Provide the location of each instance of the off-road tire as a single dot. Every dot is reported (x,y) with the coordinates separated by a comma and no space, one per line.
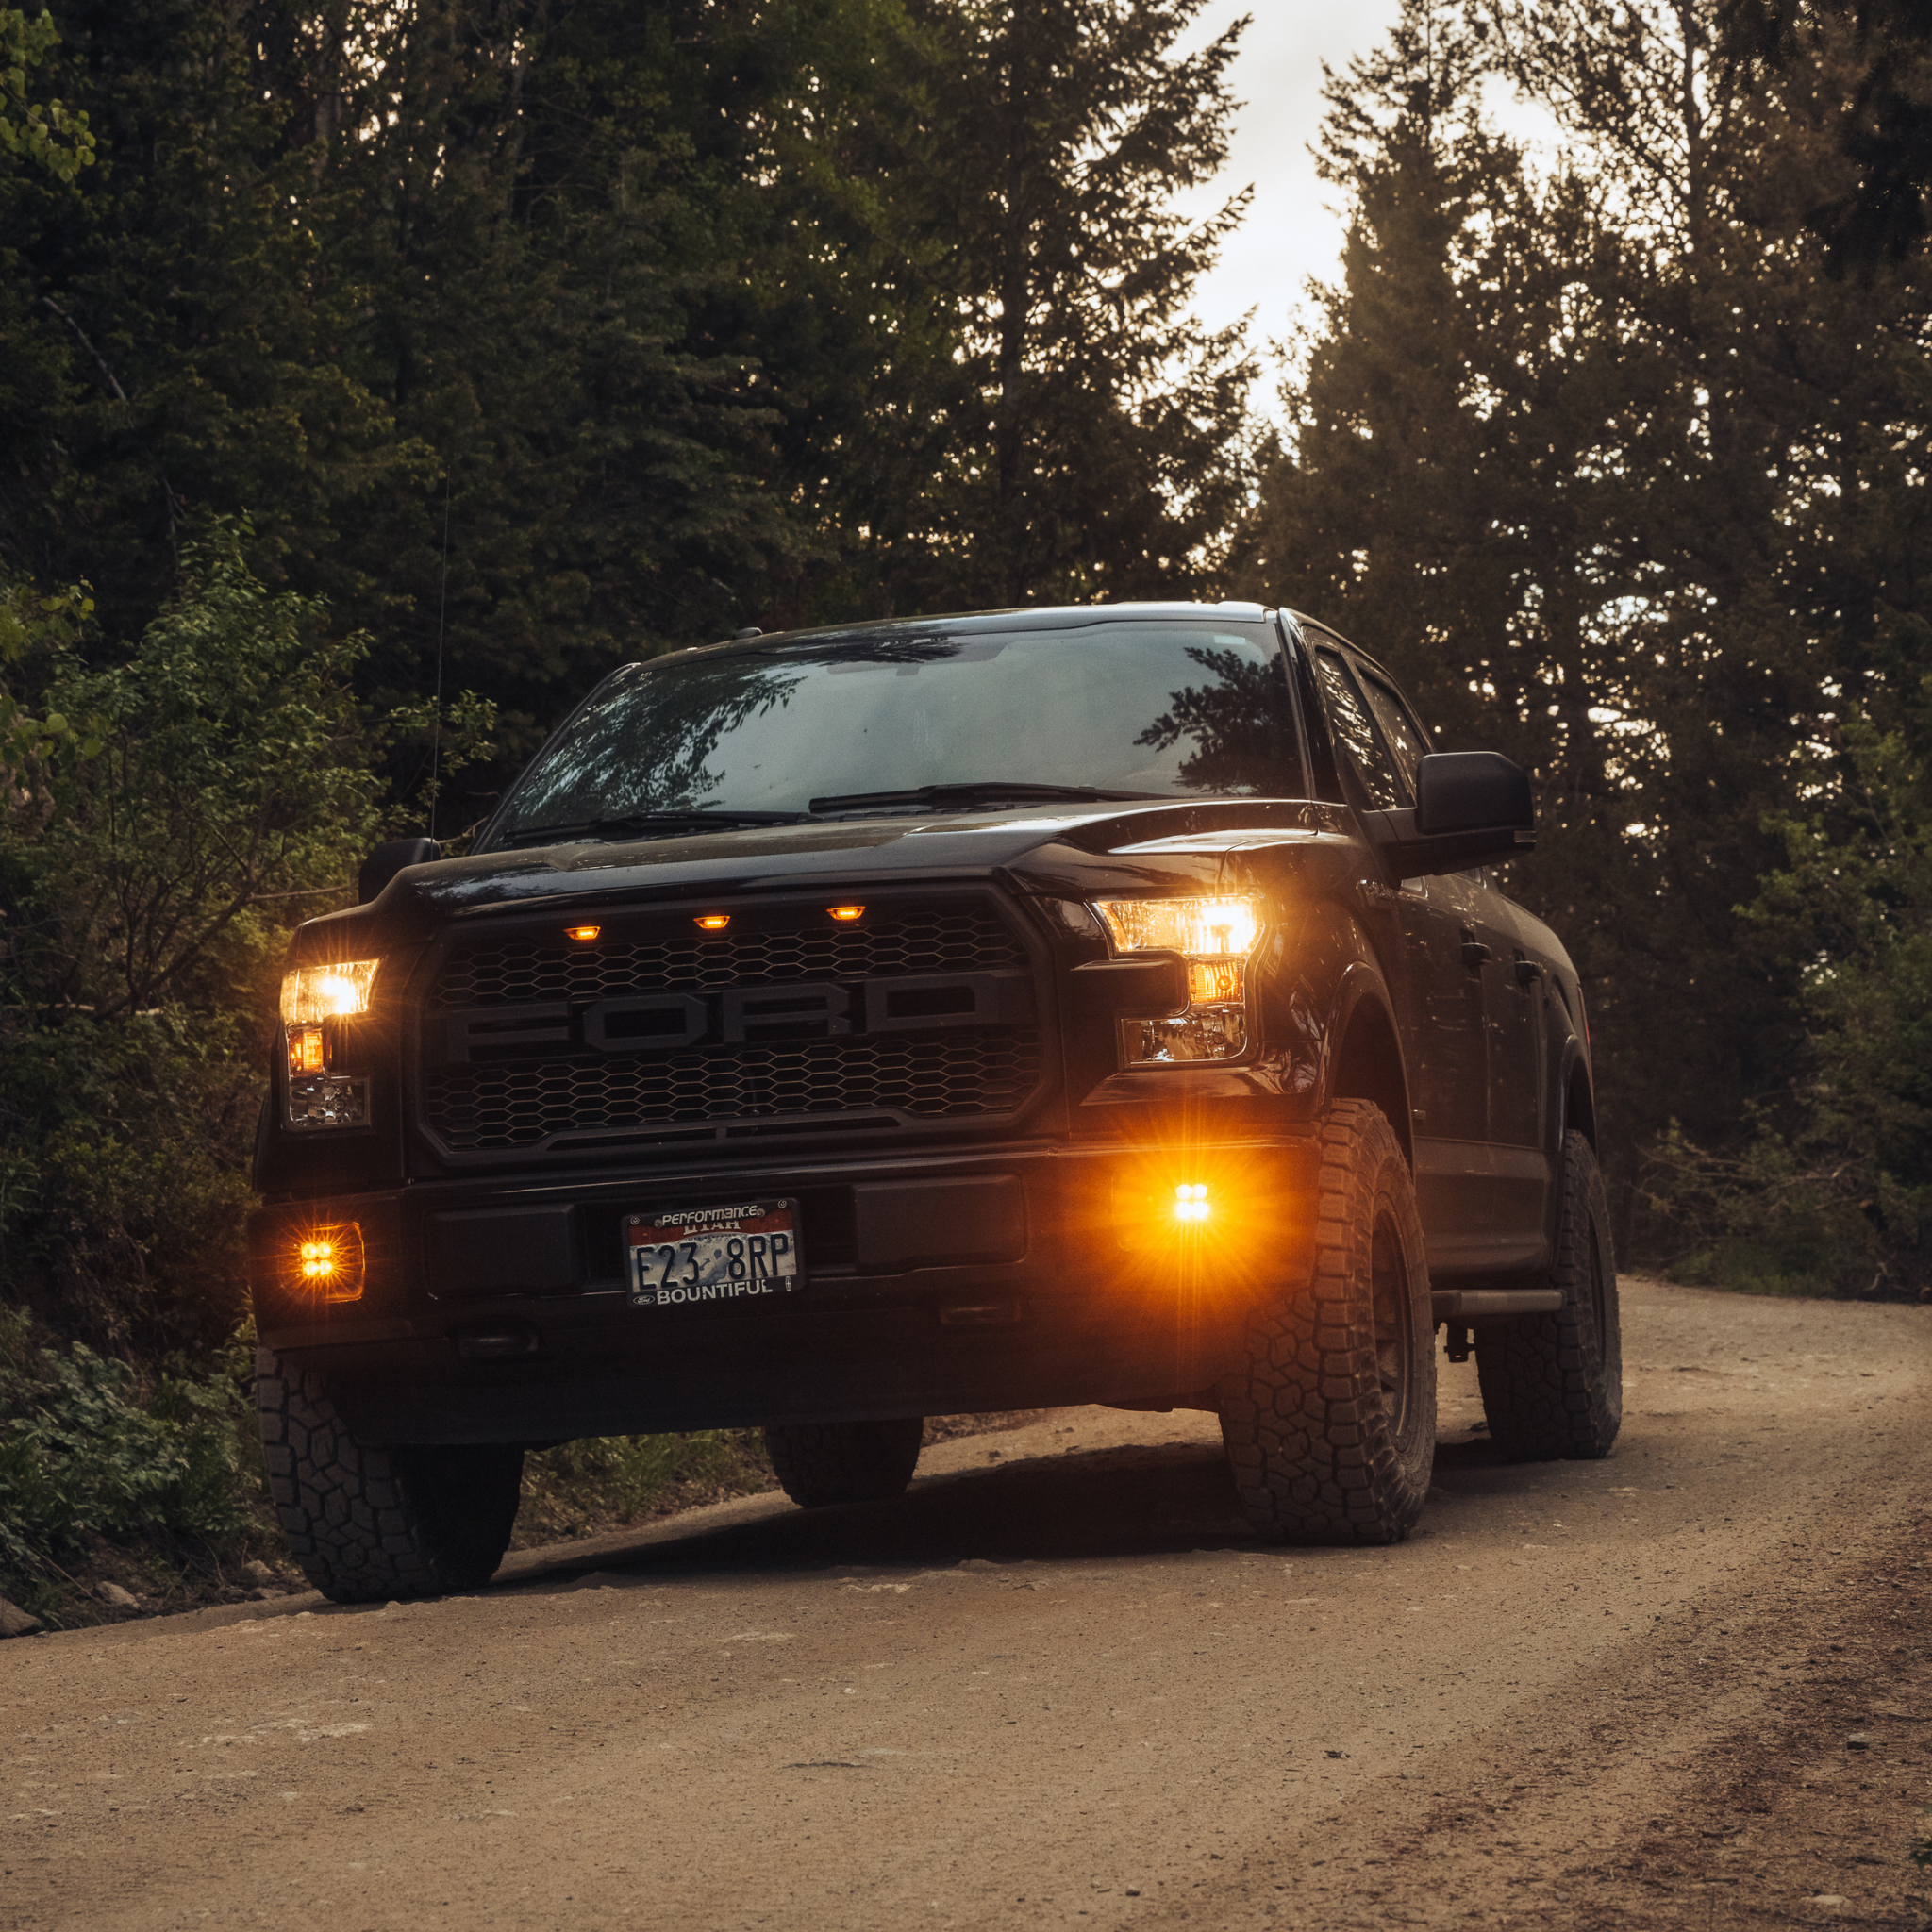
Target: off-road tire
(820,1463)
(1553,1385)
(369,1523)
(1330,1423)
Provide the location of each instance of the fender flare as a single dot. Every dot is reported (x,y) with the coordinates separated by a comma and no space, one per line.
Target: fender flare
(1362,986)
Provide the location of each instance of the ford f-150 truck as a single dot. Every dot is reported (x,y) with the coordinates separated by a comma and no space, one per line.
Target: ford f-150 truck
(835,1029)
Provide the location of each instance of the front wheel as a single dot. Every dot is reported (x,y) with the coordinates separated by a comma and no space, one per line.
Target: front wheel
(821,1463)
(368,1523)
(1330,1423)
(1553,1385)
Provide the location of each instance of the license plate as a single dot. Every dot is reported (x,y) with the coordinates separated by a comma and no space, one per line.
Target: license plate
(712,1254)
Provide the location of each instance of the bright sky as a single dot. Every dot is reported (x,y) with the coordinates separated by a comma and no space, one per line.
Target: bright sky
(1290,233)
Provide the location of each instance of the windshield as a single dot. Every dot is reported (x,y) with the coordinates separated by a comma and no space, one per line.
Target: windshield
(1159,707)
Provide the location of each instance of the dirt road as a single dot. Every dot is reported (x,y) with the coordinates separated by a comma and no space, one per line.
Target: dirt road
(1060,1684)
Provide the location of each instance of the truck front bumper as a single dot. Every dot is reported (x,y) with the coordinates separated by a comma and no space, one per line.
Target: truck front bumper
(1019,1276)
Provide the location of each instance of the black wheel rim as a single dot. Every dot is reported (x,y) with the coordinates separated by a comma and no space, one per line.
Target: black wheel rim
(1394,1321)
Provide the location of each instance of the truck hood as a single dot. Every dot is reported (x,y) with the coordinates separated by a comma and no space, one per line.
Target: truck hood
(1065,851)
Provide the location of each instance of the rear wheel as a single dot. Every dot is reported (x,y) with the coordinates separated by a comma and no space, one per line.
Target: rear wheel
(367,1523)
(1553,1385)
(819,1463)
(1330,1423)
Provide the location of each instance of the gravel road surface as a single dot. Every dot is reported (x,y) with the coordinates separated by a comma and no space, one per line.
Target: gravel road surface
(1059,1684)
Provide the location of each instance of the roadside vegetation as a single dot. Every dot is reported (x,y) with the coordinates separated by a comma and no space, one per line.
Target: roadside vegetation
(347,446)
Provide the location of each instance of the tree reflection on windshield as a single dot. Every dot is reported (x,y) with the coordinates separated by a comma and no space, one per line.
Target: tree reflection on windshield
(764,728)
(1239,727)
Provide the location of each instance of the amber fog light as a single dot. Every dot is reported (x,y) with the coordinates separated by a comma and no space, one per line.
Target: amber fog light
(328,1263)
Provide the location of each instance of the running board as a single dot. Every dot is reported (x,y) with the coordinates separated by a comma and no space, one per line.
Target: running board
(1481,1303)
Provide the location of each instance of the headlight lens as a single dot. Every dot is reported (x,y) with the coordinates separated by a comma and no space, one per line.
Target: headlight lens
(311,994)
(1215,938)
(318,1095)
(1195,928)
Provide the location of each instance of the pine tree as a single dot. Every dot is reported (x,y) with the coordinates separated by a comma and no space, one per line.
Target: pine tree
(1089,438)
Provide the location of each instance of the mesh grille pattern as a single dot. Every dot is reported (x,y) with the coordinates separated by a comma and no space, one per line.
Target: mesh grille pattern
(515,1102)
(477,1109)
(965,939)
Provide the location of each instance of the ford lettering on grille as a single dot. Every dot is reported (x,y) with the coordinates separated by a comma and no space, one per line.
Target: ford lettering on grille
(732,1016)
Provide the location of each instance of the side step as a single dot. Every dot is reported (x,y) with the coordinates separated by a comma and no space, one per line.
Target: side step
(1486,1303)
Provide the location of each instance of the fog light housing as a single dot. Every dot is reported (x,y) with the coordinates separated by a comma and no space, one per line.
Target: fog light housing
(1153,1215)
(1191,1203)
(329,1263)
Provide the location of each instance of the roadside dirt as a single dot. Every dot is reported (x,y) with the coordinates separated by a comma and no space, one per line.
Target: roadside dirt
(1060,1684)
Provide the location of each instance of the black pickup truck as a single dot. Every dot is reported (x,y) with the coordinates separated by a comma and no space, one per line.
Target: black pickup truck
(835,1029)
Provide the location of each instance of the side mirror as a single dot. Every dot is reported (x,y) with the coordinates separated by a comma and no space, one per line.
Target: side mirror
(388,858)
(1471,792)
(1471,808)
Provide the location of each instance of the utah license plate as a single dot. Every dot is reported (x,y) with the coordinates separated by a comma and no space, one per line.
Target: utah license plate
(712,1254)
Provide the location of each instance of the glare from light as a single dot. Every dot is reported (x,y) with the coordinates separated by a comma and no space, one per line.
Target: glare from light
(1190,1201)
(330,1261)
(713,921)
(1221,929)
(314,993)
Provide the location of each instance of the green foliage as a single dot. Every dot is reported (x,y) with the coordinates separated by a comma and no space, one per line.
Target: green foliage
(569,1490)
(81,1456)
(1593,450)
(1833,1189)
(173,810)
(44,132)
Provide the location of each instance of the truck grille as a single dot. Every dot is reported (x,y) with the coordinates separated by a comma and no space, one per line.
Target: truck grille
(502,1098)
(972,938)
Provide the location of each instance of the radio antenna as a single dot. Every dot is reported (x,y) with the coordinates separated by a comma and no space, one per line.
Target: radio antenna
(442,610)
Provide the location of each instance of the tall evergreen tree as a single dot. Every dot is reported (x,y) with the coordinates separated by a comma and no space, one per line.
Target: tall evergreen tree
(1090,441)
(1588,453)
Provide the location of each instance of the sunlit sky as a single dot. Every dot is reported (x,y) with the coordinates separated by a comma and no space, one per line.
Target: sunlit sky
(1294,228)
(1293,231)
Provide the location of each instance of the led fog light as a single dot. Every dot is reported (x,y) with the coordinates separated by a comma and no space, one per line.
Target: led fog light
(328,1263)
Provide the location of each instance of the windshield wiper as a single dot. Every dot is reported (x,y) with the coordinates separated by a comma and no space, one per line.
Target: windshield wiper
(975,791)
(642,824)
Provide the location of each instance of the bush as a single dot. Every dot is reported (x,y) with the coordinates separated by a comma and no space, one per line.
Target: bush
(1828,1192)
(81,1455)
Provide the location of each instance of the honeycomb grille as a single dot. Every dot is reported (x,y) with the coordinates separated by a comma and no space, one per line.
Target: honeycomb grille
(476,1109)
(524,1102)
(961,940)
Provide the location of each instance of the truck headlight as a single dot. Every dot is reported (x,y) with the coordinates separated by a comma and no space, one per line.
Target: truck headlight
(1215,937)
(320,1095)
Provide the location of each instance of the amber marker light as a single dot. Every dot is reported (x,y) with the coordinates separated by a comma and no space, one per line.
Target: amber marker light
(846,914)
(1213,982)
(582,934)
(329,1262)
(1190,1202)
(713,921)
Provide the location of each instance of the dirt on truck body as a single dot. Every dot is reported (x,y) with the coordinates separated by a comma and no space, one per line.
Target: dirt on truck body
(835,1029)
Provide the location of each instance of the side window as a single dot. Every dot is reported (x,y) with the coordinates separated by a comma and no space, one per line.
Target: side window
(1355,735)
(1400,732)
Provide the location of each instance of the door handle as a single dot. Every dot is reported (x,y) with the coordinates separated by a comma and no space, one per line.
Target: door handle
(1527,971)
(1476,955)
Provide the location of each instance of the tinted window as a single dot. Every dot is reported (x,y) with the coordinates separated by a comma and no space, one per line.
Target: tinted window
(1154,706)
(1400,732)
(1355,735)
